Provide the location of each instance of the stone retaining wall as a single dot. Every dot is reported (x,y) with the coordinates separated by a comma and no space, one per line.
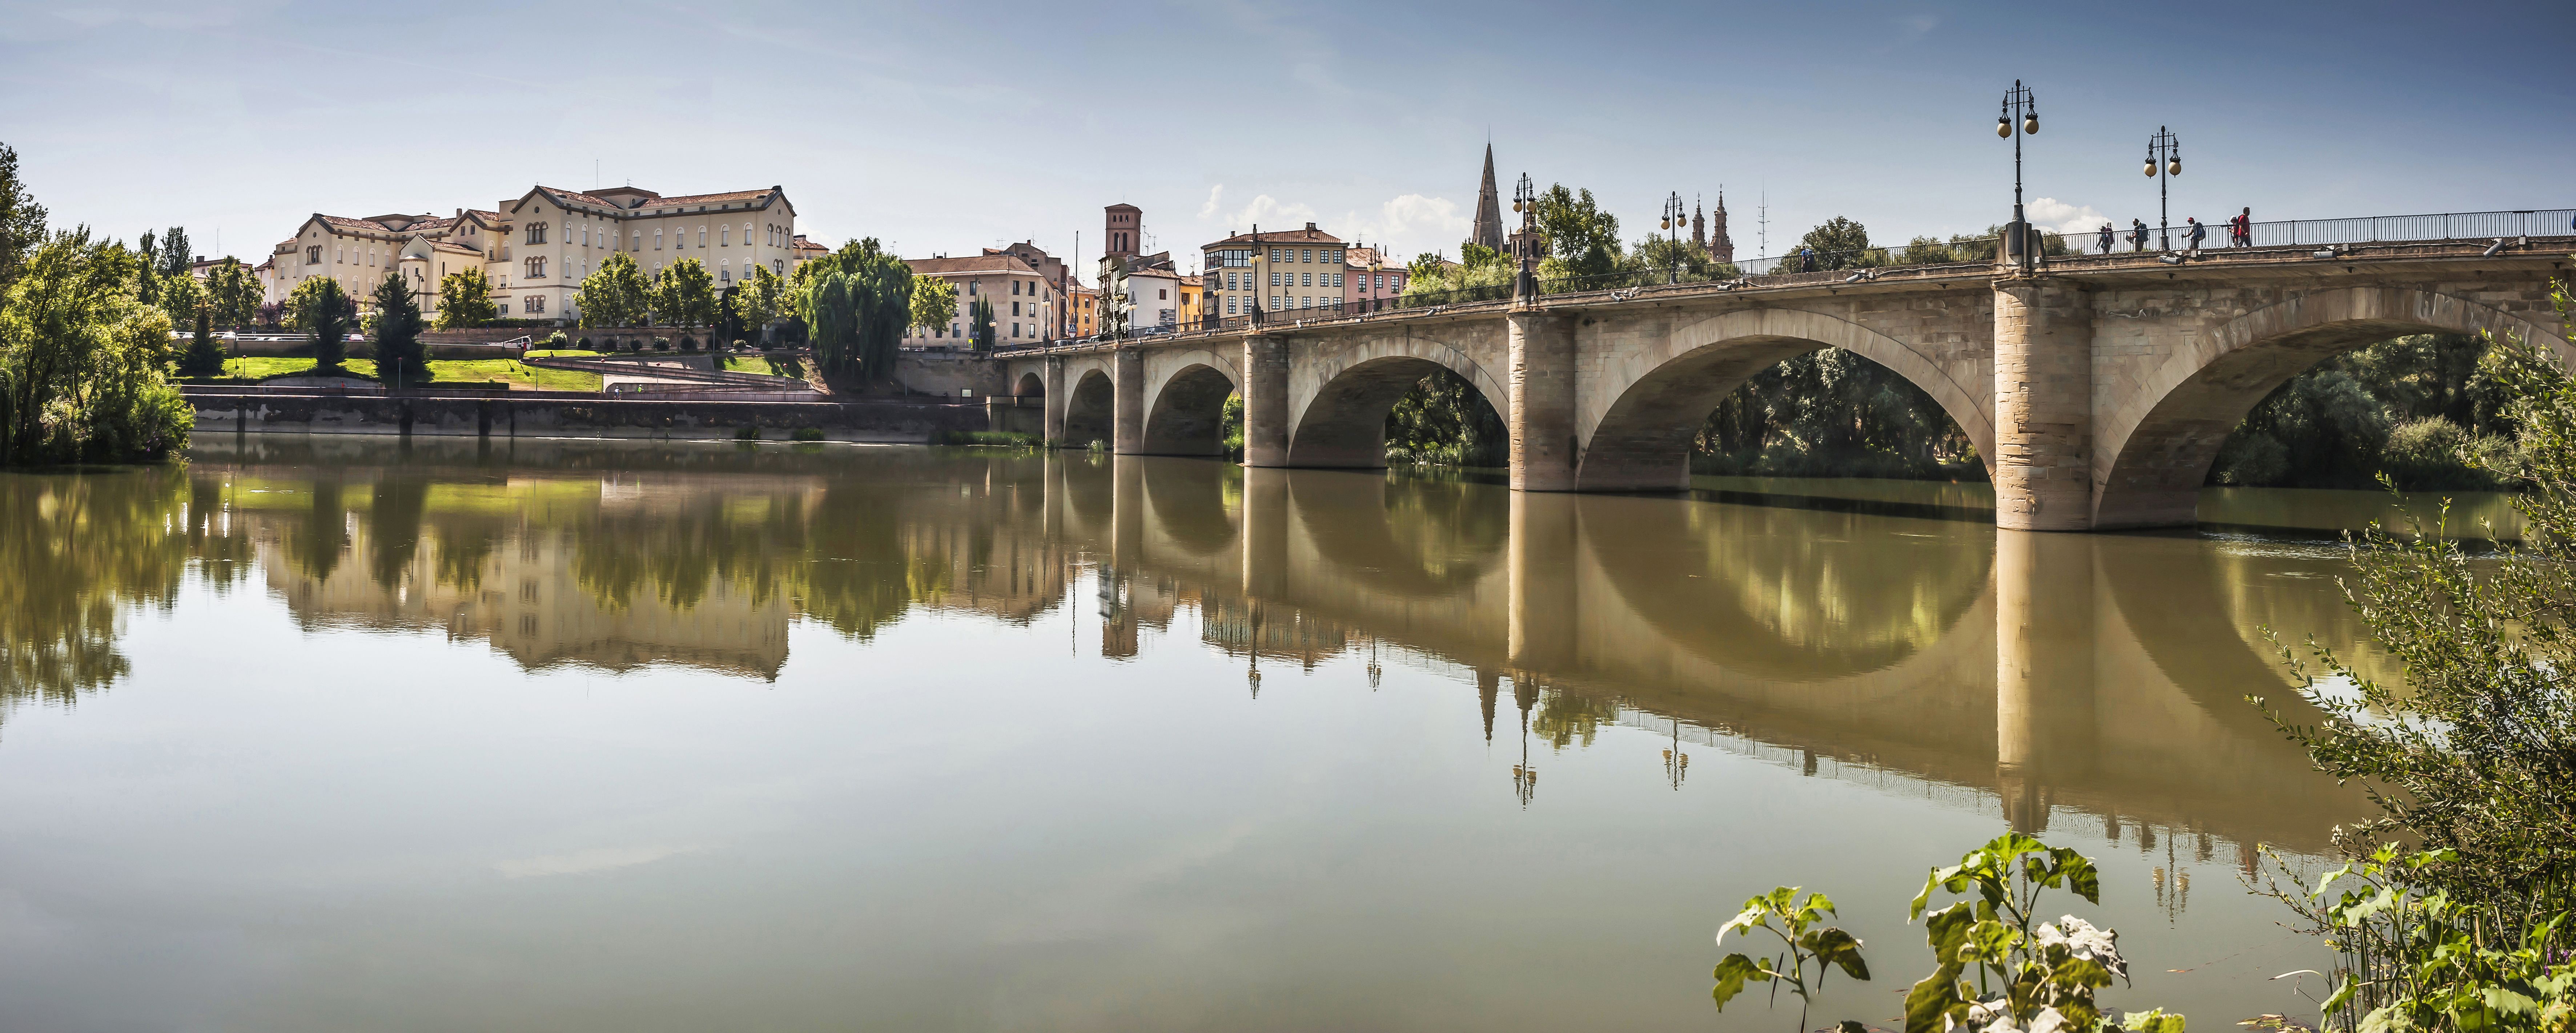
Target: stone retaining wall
(535,417)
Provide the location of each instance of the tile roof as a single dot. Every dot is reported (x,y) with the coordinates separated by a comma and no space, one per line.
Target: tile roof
(996,263)
(659,203)
(1304,236)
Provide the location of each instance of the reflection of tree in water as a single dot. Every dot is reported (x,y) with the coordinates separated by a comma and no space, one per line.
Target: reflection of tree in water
(1564,717)
(1786,592)
(393,527)
(678,549)
(79,549)
(856,573)
(315,546)
(465,544)
(1454,529)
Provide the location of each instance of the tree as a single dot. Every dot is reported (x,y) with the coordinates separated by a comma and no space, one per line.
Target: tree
(205,355)
(464,300)
(1839,244)
(763,300)
(83,363)
(175,259)
(22,220)
(1582,238)
(684,295)
(934,302)
(613,294)
(979,325)
(322,311)
(181,297)
(399,353)
(234,295)
(865,316)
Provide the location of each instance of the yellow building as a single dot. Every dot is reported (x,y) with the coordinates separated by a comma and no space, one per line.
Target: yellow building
(1279,271)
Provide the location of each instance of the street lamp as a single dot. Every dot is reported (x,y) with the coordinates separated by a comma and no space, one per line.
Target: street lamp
(2164,161)
(2018,107)
(1525,201)
(1674,216)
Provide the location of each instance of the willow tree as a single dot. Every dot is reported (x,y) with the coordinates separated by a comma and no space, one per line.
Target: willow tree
(855,328)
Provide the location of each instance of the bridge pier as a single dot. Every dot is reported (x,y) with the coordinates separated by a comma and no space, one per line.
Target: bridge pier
(1265,533)
(1542,607)
(1057,399)
(1542,405)
(1265,400)
(1127,413)
(2043,462)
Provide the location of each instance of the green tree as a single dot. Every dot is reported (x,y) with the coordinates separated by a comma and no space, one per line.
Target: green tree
(613,294)
(181,297)
(1839,244)
(979,324)
(22,220)
(865,318)
(684,295)
(234,293)
(1583,239)
(175,256)
(763,300)
(205,355)
(464,300)
(400,357)
(322,311)
(934,302)
(83,362)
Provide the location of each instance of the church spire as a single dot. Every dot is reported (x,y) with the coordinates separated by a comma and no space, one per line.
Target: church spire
(1721,246)
(1489,207)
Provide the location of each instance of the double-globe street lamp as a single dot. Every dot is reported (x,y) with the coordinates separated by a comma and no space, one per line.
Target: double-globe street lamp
(2164,161)
(1525,202)
(1675,217)
(2019,118)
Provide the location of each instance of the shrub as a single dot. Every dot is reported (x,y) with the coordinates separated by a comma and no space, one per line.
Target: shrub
(688,343)
(585,344)
(2430,453)
(2252,459)
(555,340)
(661,344)
(747,434)
(809,433)
(740,346)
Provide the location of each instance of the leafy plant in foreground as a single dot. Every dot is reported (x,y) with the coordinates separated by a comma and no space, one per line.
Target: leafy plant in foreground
(1802,943)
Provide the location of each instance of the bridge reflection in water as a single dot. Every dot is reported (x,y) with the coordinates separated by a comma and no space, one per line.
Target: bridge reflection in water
(2052,675)
(2088,686)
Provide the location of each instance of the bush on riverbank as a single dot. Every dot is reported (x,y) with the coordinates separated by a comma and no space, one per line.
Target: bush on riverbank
(84,363)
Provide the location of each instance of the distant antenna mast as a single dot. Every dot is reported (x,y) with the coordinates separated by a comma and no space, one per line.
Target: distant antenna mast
(1762,222)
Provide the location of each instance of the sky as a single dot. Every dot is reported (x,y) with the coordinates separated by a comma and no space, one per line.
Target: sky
(944,128)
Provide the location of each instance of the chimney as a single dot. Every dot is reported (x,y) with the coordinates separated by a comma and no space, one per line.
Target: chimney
(1310,227)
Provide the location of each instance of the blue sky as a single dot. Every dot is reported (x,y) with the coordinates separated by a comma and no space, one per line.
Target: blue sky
(943,128)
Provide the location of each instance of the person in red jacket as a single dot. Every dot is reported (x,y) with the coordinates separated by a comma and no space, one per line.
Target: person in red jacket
(2242,228)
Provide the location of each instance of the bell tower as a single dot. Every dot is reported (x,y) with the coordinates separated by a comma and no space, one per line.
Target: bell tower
(1125,224)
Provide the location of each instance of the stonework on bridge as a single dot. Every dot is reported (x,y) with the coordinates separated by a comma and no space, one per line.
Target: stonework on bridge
(2097,390)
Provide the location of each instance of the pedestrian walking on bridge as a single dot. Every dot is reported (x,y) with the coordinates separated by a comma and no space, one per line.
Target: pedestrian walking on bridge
(2106,238)
(2242,228)
(2137,235)
(2198,233)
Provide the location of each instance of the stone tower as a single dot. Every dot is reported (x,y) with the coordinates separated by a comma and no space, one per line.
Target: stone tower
(1699,227)
(1126,223)
(1721,246)
(1489,208)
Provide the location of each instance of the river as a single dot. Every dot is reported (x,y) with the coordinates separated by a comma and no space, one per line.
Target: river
(334,733)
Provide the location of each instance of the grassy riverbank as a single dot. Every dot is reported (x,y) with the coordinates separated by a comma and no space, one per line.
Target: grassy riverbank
(519,376)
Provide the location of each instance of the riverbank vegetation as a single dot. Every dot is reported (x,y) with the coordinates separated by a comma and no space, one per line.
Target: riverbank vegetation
(85,358)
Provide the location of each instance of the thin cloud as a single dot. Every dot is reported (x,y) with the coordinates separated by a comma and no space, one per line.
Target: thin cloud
(2053,214)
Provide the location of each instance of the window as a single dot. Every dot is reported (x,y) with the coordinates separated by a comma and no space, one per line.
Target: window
(536,304)
(536,269)
(1274,278)
(746,234)
(313,255)
(779,265)
(536,233)
(1015,290)
(1015,329)
(1230,304)
(505,308)
(585,236)
(1162,295)
(339,253)
(1015,308)
(702,234)
(657,239)
(724,236)
(970,288)
(1310,302)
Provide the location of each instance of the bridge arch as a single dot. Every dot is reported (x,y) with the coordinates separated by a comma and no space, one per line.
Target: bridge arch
(2154,447)
(1090,414)
(1338,419)
(1641,440)
(1030,385)
(1185,394)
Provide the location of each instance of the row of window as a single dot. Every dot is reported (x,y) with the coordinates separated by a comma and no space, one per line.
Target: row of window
(1235,306)
(580,236)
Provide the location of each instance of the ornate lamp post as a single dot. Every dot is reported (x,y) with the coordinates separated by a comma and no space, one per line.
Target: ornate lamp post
(2019,118)
(1675,216)
(1525,201)
(2164,161)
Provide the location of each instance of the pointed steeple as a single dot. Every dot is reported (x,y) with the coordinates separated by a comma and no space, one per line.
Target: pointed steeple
(1699,227)
(1489,207)
(1721,246)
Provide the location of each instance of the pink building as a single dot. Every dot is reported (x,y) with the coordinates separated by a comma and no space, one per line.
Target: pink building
(1368,275)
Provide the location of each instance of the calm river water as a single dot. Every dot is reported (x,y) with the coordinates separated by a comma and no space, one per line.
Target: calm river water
(344,734)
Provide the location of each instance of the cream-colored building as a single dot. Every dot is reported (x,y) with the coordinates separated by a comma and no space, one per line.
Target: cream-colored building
(536,248)
(1278,270)
(1026,306)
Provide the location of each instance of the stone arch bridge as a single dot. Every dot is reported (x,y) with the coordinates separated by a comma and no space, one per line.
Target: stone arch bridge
(2097,389)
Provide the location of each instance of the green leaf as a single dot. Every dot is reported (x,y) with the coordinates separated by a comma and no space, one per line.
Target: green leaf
(1748,920)
(1935,1001)
(1836,947)
(2156,1021)
(2506,1001)
(1947,932)
(1731,974)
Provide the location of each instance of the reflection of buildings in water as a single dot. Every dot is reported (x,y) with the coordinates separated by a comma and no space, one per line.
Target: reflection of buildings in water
(527,601)
(1253,628)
